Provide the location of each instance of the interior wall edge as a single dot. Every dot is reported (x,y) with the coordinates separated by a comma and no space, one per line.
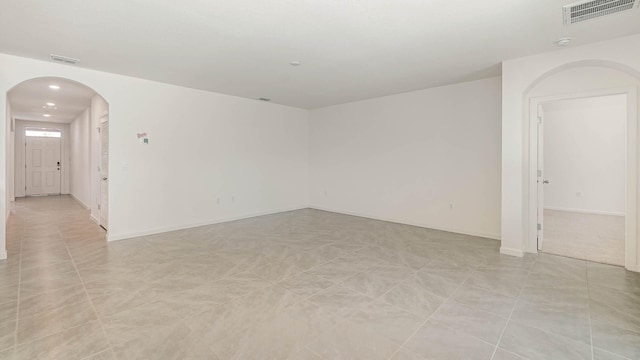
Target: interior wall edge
(79,201)
(511,252)
(125,236)
(495,236)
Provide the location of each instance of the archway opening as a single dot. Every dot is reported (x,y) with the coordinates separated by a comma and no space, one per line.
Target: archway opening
(570,82)
(57,165)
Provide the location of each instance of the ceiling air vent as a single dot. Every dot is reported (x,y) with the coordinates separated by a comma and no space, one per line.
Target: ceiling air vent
(63,59)
(591,9)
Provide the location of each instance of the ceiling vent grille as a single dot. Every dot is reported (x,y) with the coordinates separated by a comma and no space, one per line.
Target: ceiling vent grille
(63,59)
(591,9)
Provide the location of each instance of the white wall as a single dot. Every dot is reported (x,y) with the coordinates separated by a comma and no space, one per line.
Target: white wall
(99,109)
(429,158)
(79,137)
(19,158)
(204,146)
(584,155)
(519,76)
(8,187)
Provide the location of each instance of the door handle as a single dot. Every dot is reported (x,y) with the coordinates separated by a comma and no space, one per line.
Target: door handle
(104,178)
(545,181)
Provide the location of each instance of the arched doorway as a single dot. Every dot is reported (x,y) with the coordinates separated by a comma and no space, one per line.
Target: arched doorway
(583,79)
(57,142)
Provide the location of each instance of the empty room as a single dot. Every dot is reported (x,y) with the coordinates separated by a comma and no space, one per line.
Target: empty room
(320,179)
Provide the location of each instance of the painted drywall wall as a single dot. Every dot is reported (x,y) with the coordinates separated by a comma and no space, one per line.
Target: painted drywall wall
(584,155)
(99,110)
(429,158)
(251,155)
(19,155)
(10,153)
(519,76)
(9,174)
(79,138)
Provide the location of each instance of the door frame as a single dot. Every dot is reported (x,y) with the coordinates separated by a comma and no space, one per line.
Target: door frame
(631,241)
(540,181)
(62,153)
(104,118)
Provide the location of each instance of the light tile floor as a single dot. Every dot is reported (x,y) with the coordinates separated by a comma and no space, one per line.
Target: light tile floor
(299,285)
(593,237)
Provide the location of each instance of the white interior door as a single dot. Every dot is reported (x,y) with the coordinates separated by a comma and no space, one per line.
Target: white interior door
(541,180)
(42,165)
(104,172)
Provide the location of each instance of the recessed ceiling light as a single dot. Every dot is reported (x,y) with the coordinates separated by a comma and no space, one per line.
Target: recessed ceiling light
(51,104)
(295,63)
(563,42)
(46,115)
(54,87)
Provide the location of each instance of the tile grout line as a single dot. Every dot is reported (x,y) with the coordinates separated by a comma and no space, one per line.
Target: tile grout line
(589,310)
(15,336)
(438,308)
(506,324)
(98,317)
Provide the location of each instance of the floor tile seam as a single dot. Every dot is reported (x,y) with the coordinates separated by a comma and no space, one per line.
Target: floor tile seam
(336,313)
(486,311)
(512,353)
(432,314)
(573,309)
(48,264)
(306,297)
(57,308)
(381,297)
(97,353)
(586,270)
(612,353)
(555,334)
(306,347)
(506,324)
(95,311)
(18,344)
(15,334)
(30,342)
(40,275)
(405,278)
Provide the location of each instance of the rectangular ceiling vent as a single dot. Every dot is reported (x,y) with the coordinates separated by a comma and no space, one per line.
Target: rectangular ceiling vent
(63,59)
(591,9)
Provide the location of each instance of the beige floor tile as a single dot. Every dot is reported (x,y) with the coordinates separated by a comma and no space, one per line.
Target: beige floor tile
(8,311)
(432,342)
(598,238)
(50,322)
(340,300)
(7,335)
(75,343)
(306,284)
(413,297)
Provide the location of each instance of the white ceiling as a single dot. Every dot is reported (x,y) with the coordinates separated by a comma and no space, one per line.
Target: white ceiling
(29,98)
(349,49)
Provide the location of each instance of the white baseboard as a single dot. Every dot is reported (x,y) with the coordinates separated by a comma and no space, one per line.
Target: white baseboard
(3,255)
(79,201)
(635,268)
(94,219)
(116,237)
(583,211)
(422,225)
(511,252)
